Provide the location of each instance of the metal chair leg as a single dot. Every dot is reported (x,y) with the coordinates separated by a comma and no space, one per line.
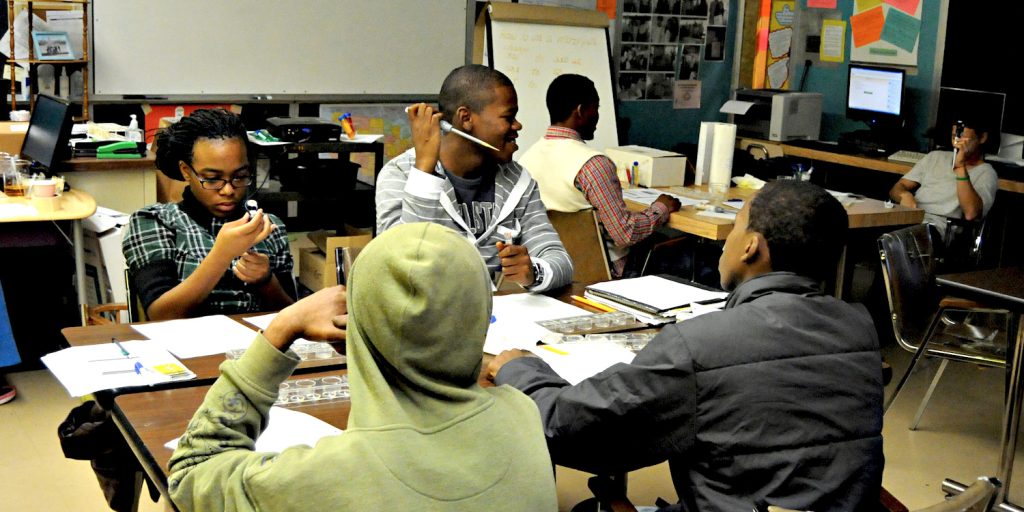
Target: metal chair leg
(921,349)
(928,394)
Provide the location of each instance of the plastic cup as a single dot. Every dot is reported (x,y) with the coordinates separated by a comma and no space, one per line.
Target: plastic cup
(305,390)
(331,386)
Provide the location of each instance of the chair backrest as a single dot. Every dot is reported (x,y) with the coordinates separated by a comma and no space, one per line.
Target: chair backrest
(908,266)
(136,312)
(977,497)
(581,236)
(962,244)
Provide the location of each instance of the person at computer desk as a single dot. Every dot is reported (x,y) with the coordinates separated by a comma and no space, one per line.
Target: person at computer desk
(776,398)
(206,254)
(944,187)
(574,177)
(475,190)
(422,433)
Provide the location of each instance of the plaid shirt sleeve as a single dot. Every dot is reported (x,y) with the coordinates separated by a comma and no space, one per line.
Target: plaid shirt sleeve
(600,184)
(277,249)
(146,240)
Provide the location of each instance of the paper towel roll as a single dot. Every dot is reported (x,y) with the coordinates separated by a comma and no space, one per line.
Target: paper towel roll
(722,145)
(714,154)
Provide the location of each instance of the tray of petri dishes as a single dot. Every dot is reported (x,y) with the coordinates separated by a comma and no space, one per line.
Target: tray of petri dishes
(634,341)
(298,392)
(307,351)
(596,323)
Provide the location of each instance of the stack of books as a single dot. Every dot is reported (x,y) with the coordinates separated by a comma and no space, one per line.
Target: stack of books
(655,300)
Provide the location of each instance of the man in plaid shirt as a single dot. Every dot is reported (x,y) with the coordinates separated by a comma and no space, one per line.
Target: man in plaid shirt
(574,177)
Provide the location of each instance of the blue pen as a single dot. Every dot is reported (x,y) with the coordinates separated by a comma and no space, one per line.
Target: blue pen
(138,368)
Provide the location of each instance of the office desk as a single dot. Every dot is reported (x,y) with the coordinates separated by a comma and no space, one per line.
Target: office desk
(874,163)
(1002,288)
(75,205)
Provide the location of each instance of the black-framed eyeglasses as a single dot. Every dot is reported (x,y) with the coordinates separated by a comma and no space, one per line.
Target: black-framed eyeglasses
(218,183)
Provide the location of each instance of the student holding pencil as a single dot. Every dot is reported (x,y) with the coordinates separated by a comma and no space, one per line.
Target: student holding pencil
(472,188)
(206,254)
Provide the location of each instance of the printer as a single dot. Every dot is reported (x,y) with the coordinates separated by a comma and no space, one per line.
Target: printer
(303,129)
(779,115)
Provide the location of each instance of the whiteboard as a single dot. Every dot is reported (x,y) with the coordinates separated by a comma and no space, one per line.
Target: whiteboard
(265,47)
(532,55)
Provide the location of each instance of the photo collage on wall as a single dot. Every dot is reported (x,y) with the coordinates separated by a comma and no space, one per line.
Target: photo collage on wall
(664,41)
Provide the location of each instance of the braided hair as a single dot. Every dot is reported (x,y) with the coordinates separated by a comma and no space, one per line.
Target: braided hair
(175,143)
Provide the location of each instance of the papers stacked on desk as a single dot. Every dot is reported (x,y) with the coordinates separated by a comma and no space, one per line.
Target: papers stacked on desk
(649,195)
(86,369)
(514,317)
(653,299)
(194,337)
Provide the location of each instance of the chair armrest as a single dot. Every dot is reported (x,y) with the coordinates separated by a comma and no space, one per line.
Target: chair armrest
(958,303)
(610,494)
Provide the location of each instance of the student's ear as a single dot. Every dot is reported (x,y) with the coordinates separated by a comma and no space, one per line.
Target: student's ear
(183,169)
(983,139)
(751,248)
(463,119)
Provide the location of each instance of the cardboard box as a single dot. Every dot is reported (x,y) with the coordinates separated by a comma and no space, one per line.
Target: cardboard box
(12,135)
(314,262)
(657,168)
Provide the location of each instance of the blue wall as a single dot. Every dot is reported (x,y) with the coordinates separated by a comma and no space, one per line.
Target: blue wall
(657,124)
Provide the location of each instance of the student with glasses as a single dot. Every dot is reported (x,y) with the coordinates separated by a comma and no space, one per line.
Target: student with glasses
(206,255)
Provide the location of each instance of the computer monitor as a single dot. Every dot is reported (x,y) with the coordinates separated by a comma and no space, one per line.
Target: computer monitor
(46,141)
(986,107)
(875,95)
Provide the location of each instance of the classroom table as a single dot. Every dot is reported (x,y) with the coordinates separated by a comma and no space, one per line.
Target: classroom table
(865,215)
(1001,288)
(206,368)
(75,205)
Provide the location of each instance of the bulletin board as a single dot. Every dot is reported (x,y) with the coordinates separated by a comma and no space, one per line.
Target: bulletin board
(885,32)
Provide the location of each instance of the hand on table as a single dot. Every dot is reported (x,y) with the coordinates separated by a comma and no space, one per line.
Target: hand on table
(670,202)
(501,359)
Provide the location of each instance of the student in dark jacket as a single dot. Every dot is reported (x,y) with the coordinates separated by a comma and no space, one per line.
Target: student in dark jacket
(776,399)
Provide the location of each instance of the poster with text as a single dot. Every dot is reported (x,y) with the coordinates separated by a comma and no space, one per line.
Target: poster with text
(885,32)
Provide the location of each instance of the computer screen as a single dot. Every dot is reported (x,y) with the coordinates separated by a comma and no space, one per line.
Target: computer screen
(875,94)
(984,106)
(46,141)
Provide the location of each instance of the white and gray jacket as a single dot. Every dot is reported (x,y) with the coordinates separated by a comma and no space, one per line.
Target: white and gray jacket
(405,195)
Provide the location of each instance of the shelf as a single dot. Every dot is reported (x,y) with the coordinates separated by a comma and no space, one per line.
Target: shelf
(38,61)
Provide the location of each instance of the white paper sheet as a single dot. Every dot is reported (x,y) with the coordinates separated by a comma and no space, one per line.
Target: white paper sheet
(194,337)
(658,292)
(86,369)
(729,215)
(287,428)
(647,196)
(514,317)
(736,107)
(575,362)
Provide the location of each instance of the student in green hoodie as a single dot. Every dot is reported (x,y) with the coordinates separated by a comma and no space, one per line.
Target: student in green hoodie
(422,433)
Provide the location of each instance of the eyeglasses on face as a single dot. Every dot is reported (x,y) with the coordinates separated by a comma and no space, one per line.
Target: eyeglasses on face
(219,183)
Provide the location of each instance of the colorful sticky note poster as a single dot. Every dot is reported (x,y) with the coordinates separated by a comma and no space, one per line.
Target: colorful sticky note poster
(863,5)
(783,13)
(821,4)
(867,26)
(907,6)
(901,29)
(780,42)
(833,41)
(778,74)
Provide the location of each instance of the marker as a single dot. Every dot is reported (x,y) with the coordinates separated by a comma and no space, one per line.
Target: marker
(447,127)
(553,349)
(593,304)
(636,174)
(123,351)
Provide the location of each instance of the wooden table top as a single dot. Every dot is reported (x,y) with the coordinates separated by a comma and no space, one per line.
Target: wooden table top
(1004,286)
(82,164)
(74,205)
(865,213)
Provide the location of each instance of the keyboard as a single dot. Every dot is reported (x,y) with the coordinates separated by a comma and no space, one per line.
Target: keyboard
(907,157)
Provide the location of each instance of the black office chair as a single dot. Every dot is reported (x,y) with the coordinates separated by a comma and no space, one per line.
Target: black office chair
(963,243)
(927,323)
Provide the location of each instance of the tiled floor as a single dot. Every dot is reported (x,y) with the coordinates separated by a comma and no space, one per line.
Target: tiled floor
(958,438)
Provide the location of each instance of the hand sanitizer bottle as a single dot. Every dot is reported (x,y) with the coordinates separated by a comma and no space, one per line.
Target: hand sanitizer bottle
(65,83)
(133,133)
